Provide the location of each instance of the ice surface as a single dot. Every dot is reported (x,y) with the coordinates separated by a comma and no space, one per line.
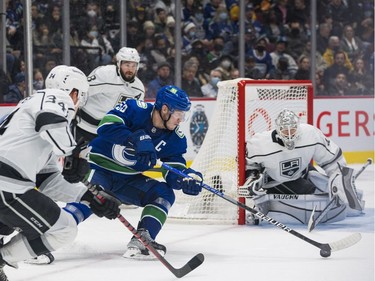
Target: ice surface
(259,253)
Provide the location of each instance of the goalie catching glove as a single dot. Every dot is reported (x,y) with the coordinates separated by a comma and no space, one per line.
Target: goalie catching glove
(100,202)
(144,150)
(253,185)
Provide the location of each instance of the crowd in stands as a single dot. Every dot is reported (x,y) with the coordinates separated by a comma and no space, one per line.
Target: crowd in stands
(277,42)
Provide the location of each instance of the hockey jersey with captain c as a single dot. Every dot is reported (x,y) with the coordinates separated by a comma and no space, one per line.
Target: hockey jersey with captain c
(266,150)
(111,151)
(107,89)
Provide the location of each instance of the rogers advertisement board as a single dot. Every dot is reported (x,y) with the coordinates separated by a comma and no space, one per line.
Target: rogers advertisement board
(347,121)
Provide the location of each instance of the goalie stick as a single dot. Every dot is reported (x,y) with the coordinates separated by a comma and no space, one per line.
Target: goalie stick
(325,248)
(313,222)
(192,264)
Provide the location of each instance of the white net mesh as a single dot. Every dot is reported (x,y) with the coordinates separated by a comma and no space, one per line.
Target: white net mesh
(217,158)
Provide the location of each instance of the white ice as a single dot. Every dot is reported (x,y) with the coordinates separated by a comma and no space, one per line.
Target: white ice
(232,252)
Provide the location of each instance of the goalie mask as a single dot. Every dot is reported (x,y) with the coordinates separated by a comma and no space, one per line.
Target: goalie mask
(67,79)
(287,125)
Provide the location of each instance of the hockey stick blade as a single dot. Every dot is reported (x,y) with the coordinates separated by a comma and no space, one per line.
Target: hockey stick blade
(192,264)
(345,242)
(325,248)
(313,222)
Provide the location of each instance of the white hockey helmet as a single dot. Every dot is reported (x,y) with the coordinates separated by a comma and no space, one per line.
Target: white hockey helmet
(127,54)
(287,125)
(67,78)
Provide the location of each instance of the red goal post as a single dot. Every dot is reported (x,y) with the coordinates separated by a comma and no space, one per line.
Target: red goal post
(243,107)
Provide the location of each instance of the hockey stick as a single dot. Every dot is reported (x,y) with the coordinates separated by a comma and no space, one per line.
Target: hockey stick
(314,222)
(192,264)
(368,163)
(325,249)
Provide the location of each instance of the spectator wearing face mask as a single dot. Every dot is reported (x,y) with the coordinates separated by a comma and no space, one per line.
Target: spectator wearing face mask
(38,81)
(226,65)
(262,58)
(99,49)
(282,71)
(216,52)
(93,16)
(210,89)
(189,36)
(221,25)
(296,39)
(280,52)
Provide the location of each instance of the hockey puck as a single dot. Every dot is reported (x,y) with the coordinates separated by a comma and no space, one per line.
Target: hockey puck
(325,254)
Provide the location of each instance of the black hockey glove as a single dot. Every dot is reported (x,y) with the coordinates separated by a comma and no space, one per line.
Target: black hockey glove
(76,166)
(190,186)
(101,203)
(144,149)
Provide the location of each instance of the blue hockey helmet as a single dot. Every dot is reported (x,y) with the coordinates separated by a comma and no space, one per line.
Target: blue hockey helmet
(173,97)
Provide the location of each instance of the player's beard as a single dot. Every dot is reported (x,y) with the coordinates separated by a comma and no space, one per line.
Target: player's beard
(128,76)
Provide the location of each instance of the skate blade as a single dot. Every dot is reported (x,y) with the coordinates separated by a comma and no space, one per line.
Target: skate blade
(135,254)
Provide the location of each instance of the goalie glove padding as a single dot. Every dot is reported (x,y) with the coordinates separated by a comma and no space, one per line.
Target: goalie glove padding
(253,185)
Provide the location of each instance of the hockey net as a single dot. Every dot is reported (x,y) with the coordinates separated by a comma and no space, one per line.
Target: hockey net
(243,107)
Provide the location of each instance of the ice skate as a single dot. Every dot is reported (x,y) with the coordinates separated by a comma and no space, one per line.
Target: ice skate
(136,249)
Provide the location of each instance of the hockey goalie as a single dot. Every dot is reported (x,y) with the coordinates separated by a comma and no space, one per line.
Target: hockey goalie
(297,174)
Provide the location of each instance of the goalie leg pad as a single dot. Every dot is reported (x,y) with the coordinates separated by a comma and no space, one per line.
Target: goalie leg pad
(297,208)
(343,184)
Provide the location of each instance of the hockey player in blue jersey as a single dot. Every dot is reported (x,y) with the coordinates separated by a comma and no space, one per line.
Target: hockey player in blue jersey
(131,137)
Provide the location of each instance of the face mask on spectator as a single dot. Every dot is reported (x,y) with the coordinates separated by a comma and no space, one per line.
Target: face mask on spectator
(218,47)
(223,16)
(91,13)
(294,31)
(225,64)
(191,33)
(260,48)
(215,80)
(199,17)
(38,84)
(93,34)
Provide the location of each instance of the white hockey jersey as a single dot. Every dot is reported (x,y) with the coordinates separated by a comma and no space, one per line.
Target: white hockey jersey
(107,89)
(32,137)
(266,151)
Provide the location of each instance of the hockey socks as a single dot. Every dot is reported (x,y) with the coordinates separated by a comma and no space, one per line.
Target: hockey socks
(79,211)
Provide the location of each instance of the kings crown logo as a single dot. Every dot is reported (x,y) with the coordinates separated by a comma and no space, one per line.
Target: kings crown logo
(290,167)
